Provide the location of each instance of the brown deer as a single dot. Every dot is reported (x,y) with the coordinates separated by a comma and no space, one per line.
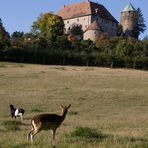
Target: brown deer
(47,122)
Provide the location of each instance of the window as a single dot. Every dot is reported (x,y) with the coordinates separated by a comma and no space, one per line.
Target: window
(77,20)
(67,22)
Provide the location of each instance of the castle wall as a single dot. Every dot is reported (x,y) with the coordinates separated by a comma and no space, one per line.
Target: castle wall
(91,34)
(85,21)
(108,27)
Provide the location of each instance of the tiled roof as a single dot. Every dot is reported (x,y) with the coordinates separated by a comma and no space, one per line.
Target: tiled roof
(85,8)
(94,26)
(129,7)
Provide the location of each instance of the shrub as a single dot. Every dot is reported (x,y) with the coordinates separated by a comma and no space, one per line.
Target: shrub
(87,133)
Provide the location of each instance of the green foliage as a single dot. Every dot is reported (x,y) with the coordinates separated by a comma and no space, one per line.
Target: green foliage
(48,27)
(120,30)
(73,113)
(106,52)
(87,133)
(17,39)
(141,27)
(62,43)
(11,125)
(76,29)
(4,37)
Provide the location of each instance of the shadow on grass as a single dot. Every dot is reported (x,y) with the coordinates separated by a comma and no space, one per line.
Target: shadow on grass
(2,131)
(121,139)
(11,125)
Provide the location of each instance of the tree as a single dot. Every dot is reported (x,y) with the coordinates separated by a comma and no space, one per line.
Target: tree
(17,39)
(4,37)
(120,30)
(124,51)
(48,27)
(141,26)
(76,29)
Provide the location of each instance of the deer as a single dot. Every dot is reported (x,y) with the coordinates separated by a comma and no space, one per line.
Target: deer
(47,122)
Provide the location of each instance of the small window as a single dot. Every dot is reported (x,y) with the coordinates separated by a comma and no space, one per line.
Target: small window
(77,20)
(67,22)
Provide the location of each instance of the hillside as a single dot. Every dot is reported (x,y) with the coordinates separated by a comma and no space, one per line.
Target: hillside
(111,101)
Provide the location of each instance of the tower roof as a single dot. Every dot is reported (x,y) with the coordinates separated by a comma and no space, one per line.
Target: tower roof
(129,7)
(85,8)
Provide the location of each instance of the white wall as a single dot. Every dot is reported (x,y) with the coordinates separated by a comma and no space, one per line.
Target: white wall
(85,21)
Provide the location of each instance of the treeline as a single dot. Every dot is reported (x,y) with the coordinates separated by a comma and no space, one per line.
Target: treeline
(113,52)
(47,44)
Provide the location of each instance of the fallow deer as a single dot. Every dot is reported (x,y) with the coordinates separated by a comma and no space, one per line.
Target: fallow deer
(47,122)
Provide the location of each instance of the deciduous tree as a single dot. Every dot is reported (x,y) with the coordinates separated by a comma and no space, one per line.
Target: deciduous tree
(48,27)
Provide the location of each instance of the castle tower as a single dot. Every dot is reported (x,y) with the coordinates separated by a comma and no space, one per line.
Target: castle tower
(128,21)
(93,31)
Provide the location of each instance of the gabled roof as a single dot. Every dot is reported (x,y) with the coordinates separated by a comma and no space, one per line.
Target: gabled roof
(84,9)
(129,7)
(94,26)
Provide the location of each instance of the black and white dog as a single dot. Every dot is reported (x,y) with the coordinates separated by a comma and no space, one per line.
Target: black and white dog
(15,112)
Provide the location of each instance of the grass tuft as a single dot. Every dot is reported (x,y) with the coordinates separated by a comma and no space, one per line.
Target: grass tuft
(87,133)
(11,125)
(36,110)
(73,113)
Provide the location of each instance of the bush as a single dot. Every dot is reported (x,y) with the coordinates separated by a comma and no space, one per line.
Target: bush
(87,133)
(11,125)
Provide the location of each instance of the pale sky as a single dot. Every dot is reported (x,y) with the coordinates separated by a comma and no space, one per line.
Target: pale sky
(18,15)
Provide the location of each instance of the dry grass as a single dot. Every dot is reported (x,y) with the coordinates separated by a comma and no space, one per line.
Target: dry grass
(113,101)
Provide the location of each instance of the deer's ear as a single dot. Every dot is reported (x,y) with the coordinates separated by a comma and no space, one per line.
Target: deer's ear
(62,106)
(68,106)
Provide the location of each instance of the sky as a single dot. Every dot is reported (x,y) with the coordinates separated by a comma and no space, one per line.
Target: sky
(19,15)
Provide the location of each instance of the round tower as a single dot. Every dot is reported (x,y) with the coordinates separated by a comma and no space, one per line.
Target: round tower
(128,21)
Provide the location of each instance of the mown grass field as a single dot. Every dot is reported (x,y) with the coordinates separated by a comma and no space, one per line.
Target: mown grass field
(112,102)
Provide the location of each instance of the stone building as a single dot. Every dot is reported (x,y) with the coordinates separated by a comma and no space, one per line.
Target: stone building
(93,17)
(93,31)
(128,20)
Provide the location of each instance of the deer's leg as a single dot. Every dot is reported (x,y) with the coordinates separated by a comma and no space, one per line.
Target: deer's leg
(28,136)
(21,116)
(53,136)
(32,134)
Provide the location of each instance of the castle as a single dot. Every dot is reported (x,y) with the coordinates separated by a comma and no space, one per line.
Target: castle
(95,19)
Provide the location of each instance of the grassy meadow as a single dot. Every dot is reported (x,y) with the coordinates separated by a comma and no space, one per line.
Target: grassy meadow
(109,106)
